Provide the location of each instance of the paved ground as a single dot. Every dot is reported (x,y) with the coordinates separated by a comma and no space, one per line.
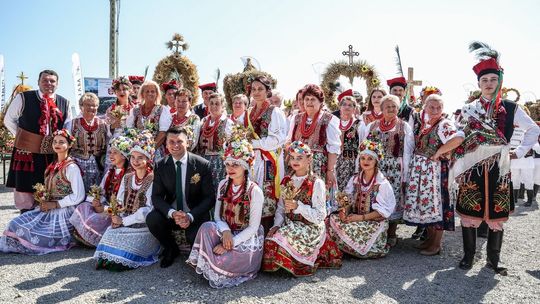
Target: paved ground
(403,276)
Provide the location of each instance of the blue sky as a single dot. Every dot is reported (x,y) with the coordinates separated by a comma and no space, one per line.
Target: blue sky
(286,37)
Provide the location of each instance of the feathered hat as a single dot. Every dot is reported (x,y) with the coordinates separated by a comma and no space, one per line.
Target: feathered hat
(488,57)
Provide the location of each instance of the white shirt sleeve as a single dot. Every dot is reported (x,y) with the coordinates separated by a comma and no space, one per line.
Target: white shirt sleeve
(316,213)
(524,122)
(130,120)
(165,119)
(290,130)
(228,127)
(139,216)
(221,224)
(536,149)
(276,132)
(14,111)
(447,131)
(73,175)
(255,213)
(333,136)
(349,189)
(385,202)
(408,149)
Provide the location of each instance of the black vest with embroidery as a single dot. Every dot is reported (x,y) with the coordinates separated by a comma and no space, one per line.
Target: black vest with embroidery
(31,113)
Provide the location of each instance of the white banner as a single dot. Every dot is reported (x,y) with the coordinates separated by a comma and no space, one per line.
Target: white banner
(2,84)
(77,80)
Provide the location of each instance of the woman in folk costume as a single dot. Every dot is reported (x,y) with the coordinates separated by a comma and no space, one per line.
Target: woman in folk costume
(90,218)
(350,133)
(268,126)
(116,115)
(151,115)
(362,232)
(182,116)
(373,111)
(215,129)
(298,242)
(482,163)
(427,198)
(239,115)
(128,243)
(318,129)
(90,144)
(397,140)
(47,228)
(229,250)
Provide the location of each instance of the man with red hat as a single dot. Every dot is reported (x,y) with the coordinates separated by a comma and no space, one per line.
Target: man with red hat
(206,90)
(136,82)
(169,89)
(398,87)
(482,162)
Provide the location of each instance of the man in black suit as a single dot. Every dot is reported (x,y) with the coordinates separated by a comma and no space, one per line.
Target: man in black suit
(206,90)
(181,173)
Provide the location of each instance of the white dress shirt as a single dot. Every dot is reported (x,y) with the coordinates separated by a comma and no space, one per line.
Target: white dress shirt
(183,163)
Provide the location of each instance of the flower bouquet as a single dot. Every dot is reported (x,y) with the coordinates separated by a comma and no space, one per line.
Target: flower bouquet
(114,207)
(344,202)
(95,192)
(40,195)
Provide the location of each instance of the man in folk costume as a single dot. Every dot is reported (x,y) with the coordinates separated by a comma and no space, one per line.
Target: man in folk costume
(136,82)
(169,89)
(482,165)
(398,87)
(32,117)
(206,90)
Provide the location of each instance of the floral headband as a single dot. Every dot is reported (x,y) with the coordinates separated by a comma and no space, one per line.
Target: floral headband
(426,91)
(64,133)
(240,152)
(144,144)
(122,80)
(300,148)
(372,148)
(123,144)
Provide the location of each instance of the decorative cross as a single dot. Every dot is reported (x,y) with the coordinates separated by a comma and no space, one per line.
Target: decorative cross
(22,77)
(412,83)
(177,42)
(350,53)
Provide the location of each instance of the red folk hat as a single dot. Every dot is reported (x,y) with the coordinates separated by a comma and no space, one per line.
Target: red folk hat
(136,79)
(208,86)
(399,81)
(487,66)
(171,85)
(349,92)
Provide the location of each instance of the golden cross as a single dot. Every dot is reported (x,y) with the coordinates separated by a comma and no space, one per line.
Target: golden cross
(22,77)
(412,83)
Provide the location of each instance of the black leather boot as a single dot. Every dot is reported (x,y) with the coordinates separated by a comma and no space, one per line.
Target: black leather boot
(521,193)
(516,193)
(469,247)
(535,190)
(530,195)
(482,230)
(494,245)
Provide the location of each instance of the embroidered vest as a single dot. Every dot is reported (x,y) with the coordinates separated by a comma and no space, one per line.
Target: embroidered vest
(317,140)
(212,145)
(428,144)
(56,182)
(31,111)
(88,142)
(392,141)
(150,122)
(364,199)
(235,211)
(304,195)
(112,183)
(350,141)
(261,125)
(135,199)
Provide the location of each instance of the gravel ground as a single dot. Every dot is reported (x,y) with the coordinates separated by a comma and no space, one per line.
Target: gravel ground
(403,276)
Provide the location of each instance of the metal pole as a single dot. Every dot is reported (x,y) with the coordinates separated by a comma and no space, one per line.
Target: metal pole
(113,39)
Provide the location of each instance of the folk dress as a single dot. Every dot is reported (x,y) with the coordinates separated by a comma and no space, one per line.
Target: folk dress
(350,140)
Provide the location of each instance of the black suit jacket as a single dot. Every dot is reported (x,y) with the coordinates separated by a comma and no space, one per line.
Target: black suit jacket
(200,110)
(199,193)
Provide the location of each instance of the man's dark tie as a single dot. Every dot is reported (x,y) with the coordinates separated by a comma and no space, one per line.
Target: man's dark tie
(179,191)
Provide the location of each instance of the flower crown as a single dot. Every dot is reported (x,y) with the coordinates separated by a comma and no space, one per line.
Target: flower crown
(122,80)
(122,144)
(372,148)
(144,143)
(240,151)
(426,91)
(64,133)
(300,148)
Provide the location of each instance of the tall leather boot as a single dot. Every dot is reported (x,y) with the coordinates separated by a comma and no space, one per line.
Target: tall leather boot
(482,230)
(530,195)
(535,190)
(516,194)
(521,193)
(469,247)
(494,244)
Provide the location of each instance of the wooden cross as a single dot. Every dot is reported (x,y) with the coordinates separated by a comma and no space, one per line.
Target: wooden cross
(412,83)
(22,77)
(350,53)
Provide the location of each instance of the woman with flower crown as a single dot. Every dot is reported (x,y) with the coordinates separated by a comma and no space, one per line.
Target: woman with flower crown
(397,140)
(228,251)
(47,228)
(90,144)
(215,129)
(298,242)
(359,229)
(90,218)
(128,243)
(151,115)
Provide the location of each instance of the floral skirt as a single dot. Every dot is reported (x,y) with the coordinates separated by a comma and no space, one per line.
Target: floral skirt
(132,246)
(91,171)
(365,239)
(89,225)
(427,200)
(218,169)
(36,232)
(391,169)
(231,268)
(320,164)
(345,167)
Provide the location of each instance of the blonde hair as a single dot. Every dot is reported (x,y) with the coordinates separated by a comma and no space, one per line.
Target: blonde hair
(434,97)
(88,96)
(241,97)
(150,83)
(392,98)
